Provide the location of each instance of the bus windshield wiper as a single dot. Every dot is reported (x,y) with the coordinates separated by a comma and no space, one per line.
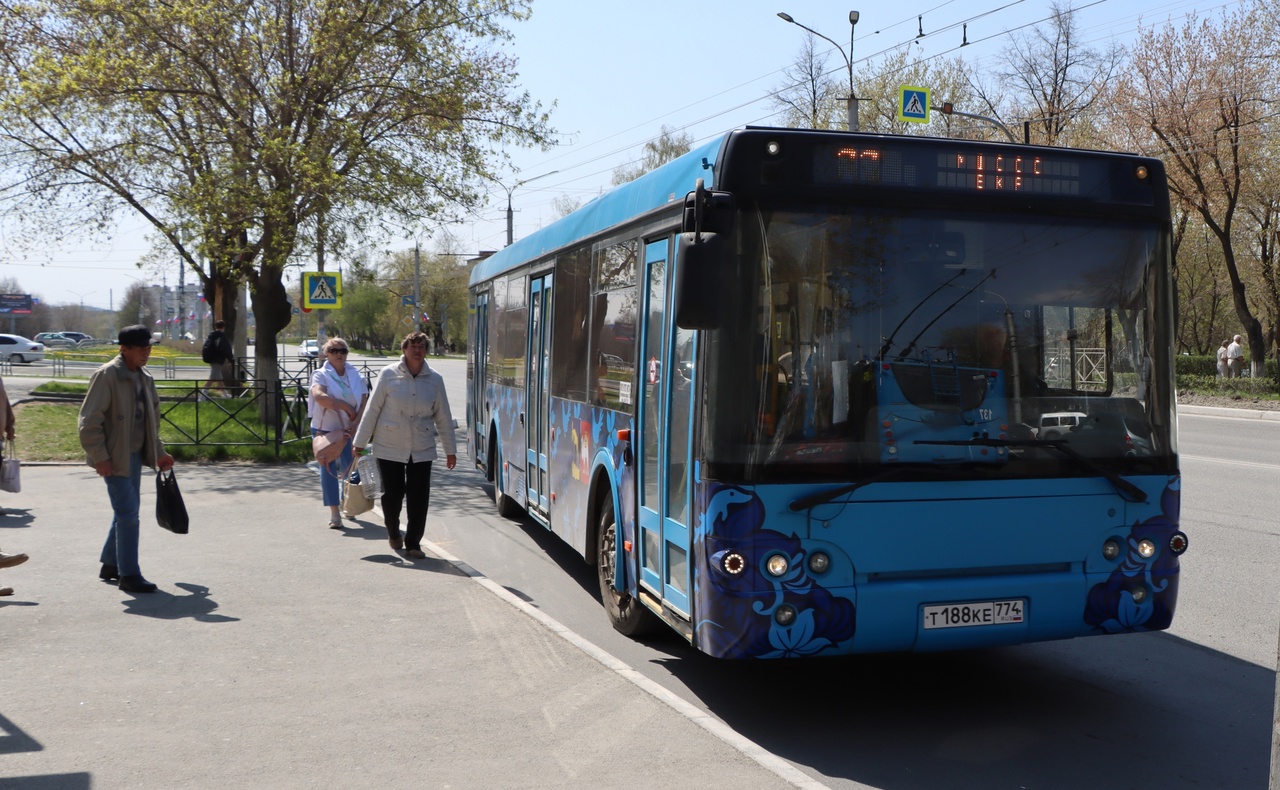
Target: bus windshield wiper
(1128,491)
(823,497)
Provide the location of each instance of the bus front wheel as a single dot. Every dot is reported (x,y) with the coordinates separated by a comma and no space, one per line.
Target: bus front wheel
(627,614)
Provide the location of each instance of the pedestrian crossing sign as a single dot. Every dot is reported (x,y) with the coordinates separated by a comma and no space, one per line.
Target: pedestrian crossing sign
(913,104)
(322,290)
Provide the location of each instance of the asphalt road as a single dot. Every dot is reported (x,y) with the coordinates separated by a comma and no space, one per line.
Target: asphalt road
(1191,707)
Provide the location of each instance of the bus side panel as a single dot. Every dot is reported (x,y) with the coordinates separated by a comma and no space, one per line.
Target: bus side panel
(580,434)
(1003,542)
(508,406)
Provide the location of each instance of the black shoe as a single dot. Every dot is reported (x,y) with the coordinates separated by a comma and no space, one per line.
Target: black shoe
(136,584)
(109,573)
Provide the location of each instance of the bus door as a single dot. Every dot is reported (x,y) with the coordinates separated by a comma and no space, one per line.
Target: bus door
(536,385)
(478,415)
(663,451)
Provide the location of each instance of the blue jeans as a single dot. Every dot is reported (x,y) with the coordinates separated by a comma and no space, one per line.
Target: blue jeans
(121,548)
(332,474)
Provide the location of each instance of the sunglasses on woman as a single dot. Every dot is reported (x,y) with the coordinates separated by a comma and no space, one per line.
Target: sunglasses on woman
(338,351)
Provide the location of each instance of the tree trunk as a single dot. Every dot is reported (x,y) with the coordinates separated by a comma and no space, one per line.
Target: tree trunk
(273,312)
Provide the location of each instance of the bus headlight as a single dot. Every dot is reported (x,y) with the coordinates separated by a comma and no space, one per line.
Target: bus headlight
(1139,594)
(1178,543)
(1146,548)
(777,564)
(785,614)
(819,562)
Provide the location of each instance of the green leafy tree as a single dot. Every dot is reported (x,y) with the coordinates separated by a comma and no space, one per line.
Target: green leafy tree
(1203,92)
(242,129)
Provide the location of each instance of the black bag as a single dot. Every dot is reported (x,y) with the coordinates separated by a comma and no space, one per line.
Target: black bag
(171,512)
(210,351)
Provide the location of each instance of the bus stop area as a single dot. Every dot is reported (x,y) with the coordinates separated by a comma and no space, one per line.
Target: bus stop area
(280,653)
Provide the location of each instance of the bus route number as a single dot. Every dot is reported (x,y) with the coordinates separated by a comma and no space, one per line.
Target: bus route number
(978,613)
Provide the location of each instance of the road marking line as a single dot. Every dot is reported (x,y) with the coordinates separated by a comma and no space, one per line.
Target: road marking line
(749,748)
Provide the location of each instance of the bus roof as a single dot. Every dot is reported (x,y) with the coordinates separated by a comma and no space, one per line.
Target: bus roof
(654,189)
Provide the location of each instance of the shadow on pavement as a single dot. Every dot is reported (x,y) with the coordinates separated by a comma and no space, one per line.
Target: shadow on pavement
(163,605)
(14,741)
(12,517)
(80,781)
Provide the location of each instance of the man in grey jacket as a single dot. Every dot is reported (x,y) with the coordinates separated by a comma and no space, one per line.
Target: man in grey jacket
(120,431)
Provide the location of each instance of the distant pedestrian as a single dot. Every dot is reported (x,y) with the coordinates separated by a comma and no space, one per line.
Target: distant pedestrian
(120,431)
(1223,370)
(407,411)
(6,427)
(336,401)
(218,354)
(1235,358)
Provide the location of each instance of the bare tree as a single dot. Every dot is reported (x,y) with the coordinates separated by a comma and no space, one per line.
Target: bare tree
(1063,82)
(668,145)
(809,98)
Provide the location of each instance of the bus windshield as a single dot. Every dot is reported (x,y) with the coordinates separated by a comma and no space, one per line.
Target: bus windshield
(965,344)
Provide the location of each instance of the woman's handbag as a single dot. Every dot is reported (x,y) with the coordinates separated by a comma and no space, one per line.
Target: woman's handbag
(328,446)
(354,502)
(10,479)
(171,511)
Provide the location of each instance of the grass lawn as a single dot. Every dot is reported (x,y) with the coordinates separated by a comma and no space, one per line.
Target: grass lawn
(49,432)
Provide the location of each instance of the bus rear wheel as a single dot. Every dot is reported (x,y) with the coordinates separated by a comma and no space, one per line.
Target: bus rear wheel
(627,615)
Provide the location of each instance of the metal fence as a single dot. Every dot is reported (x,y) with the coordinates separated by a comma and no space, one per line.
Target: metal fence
(190,416)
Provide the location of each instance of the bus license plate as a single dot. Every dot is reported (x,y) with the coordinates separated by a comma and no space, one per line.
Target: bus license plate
(967,615)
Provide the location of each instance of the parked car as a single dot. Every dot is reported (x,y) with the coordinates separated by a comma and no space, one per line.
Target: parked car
(17,348)
(1110,435)
(79,337)
(54,340)
(308,349)
(1054,424)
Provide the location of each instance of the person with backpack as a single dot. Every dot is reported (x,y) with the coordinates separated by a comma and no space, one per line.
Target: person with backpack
(218,355)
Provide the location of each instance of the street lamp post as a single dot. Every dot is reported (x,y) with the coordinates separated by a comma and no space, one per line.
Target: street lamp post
(848,61)
(513,188)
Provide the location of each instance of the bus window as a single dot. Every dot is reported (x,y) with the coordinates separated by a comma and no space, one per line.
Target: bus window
(569,328)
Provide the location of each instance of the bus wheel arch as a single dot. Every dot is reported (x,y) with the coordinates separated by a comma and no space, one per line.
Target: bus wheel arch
(625,612)
(507,507)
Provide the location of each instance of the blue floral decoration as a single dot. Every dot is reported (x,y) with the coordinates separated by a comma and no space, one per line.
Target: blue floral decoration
(1111,607)
(736,613)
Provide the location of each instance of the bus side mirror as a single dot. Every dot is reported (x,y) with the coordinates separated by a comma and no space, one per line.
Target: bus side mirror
(699,280)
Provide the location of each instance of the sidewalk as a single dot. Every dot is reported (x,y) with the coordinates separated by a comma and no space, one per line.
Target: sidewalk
(279,653)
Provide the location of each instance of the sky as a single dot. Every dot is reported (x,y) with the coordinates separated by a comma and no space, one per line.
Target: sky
(618,71)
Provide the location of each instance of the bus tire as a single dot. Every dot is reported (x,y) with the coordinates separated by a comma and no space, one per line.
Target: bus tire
(627,615)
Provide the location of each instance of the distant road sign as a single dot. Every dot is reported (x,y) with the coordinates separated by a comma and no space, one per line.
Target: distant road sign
(322,290)
(913,104)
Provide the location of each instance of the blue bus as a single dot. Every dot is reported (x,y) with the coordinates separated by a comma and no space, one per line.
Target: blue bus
(806,393)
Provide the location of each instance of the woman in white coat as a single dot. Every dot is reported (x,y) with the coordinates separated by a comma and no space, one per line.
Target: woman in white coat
(407,411)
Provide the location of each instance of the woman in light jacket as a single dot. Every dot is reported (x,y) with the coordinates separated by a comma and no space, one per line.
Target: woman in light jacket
(337,398)
(407,411)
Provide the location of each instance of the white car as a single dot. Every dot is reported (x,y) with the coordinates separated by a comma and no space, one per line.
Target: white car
(308,349)
(1055,424)
(17,348)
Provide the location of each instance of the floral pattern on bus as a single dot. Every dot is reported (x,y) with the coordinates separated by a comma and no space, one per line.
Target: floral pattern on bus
(1111,607)
(509,403)
(736,613)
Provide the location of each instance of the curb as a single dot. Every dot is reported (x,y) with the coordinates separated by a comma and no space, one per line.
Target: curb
(1230,412)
